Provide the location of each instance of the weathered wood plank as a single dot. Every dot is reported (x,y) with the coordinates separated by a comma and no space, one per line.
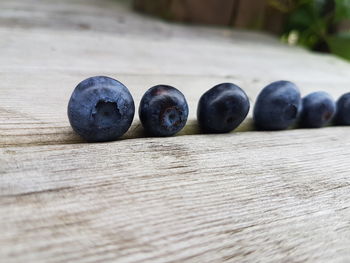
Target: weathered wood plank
(237,55)
(273,197)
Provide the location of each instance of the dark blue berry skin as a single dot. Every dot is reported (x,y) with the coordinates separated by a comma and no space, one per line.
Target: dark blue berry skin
(277,106)
(342,116)
(101,109)
(222,108)
(318,109)
(163,111)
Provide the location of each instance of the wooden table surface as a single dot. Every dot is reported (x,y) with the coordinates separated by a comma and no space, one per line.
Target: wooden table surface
(246,196)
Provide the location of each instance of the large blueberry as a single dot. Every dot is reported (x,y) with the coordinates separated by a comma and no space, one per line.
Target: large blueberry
(163,111)
(101,109)
(222,108)
(318,109)
(342,116)
(277,106)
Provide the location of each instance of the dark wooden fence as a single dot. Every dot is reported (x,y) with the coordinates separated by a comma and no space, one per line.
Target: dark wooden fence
(248,14)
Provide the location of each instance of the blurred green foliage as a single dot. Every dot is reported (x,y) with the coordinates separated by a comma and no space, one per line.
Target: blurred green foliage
(315,24)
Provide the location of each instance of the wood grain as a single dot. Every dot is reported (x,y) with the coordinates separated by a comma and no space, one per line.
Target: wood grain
(246,196)
(257,197)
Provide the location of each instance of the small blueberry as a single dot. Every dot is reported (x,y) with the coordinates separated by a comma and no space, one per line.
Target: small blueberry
(342,116)
(277,106)
(318,109)
(163,111)
(101,109)
(222,108)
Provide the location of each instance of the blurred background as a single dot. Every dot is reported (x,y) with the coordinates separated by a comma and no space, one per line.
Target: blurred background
(319,25)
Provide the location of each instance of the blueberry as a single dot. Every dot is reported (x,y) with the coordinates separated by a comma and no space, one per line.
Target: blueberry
(318,109)
(222,108)
(277,106)
(163,111)
(342,116)
(101,109)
